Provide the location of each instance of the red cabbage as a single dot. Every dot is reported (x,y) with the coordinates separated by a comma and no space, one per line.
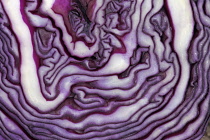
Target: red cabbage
(104,69)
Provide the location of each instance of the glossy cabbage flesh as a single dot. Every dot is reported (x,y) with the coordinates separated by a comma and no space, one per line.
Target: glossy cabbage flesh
(104,69)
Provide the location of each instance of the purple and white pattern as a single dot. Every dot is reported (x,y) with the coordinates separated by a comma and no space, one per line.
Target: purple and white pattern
(104,69)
